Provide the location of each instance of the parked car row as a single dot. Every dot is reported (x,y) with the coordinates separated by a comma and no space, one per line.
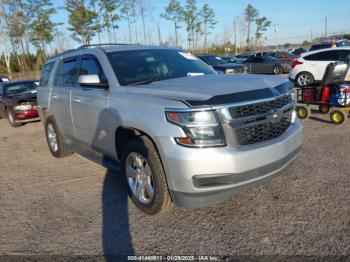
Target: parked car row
(256,64)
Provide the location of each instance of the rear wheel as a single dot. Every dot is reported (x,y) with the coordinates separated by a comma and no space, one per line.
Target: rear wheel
(55,139)
(303,112)
(324,109)
(278,70)
(338,117)
(11,118)
(304,79)
(146,182)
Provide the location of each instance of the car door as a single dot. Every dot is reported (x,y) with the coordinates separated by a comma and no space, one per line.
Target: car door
(89,104)
(65,79)
(257,65)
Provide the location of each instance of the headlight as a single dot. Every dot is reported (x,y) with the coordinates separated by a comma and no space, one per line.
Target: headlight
(202,128)
(23,107)
(229,71)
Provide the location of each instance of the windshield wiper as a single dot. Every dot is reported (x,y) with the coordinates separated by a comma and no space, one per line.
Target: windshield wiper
(145,82)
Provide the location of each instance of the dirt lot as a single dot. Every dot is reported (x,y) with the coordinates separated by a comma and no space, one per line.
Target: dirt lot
(74,207)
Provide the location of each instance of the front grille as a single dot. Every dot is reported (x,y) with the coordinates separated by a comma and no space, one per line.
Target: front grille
(263,132)
(260,108)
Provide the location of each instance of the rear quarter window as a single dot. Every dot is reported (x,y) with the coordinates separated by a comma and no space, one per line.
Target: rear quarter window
(45,74)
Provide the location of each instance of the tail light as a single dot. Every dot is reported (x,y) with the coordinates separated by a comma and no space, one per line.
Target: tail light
(295,63)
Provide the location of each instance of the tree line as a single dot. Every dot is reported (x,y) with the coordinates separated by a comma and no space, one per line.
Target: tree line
(27,26)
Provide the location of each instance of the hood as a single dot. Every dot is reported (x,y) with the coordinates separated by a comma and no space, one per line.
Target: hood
(26,98)
(215,89)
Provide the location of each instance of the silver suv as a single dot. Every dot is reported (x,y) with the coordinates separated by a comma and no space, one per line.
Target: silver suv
(180,132)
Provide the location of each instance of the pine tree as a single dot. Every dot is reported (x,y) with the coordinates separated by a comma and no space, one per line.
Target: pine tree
(174,13)
(81,20)
(208,21)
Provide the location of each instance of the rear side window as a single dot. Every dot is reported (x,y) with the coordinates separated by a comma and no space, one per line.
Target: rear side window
(67,73)
(45,74)
(332,55)
(328,56)
(1,88)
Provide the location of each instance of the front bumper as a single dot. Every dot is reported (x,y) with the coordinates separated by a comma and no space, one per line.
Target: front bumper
(201,177)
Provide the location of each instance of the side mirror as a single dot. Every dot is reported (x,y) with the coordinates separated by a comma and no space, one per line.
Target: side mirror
(91,81)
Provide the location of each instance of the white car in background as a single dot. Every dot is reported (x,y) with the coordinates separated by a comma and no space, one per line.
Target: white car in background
(309,68)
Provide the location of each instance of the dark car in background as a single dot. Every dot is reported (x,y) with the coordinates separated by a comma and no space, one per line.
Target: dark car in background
(299,51)
(328,44)
(18,102)
(221,66)
(267,65)
(283,55)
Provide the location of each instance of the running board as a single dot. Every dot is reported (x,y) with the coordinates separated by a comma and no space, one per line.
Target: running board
(95,157)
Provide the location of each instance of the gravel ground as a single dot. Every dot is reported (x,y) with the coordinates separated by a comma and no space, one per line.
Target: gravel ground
(74,207)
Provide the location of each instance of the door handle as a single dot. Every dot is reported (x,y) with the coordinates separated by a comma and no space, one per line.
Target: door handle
(76,100)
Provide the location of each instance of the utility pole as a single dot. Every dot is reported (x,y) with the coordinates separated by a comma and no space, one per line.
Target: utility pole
(235,31)
(325,27)
(311,38)
(276,29)
(159,35)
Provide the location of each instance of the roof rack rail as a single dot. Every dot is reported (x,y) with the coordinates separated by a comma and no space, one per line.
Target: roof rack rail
(104,44)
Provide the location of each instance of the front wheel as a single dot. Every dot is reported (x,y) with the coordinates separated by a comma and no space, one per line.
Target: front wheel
(146,182)
(303,112)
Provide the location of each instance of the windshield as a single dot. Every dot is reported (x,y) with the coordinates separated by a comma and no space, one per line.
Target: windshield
(20,89)
(146,66)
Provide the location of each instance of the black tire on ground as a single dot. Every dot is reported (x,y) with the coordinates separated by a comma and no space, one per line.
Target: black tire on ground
(324,109)
(304,79)
(278,70)
(338,117)
(303,112)
(61,150)
(11,119)
(161,202)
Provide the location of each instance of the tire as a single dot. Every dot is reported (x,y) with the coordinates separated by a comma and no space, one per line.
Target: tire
(11,119)
(303,112)
(338,117)
(277,70)
(55,139)
(324,109)
(146,181)
(304,79)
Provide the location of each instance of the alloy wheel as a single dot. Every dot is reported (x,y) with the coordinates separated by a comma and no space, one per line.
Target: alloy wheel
(304,80)
(52,137)
(139,176)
